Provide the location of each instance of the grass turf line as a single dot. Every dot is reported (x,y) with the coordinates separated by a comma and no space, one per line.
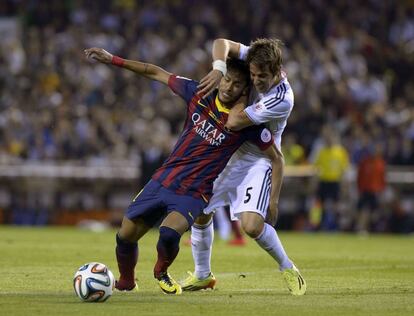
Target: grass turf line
(346,275)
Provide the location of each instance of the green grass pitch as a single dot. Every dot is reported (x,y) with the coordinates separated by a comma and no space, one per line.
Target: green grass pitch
(346,275)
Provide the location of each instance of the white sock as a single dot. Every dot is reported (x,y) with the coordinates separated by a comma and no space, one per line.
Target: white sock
(270,242)
(201,245)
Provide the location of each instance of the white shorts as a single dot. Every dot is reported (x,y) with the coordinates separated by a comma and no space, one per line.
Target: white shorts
(244,185)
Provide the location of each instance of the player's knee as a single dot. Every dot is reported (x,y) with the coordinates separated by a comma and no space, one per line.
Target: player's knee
(133,230)
(253,231)
(127,231)
(126,235)
(169,236)
(176,221)
(252,224)
(203,220)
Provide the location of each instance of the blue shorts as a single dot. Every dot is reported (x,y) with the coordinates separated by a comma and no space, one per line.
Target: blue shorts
(155,201)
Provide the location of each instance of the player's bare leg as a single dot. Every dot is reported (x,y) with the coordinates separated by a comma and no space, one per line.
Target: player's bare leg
(252,224)
(127,252)
(266,237)
(132,231)
(202,236)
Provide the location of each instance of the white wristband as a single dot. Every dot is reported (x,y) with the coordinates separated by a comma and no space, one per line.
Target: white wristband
(220,65)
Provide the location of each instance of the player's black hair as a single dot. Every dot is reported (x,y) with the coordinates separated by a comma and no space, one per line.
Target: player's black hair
(239,66)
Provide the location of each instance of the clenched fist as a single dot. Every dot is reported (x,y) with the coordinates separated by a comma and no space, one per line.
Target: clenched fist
(99,54)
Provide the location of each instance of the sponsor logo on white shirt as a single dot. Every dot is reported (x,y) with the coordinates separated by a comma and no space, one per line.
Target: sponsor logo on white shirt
(265,136)
(258,107)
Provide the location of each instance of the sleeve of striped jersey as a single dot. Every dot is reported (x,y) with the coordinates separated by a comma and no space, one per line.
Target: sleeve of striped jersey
(260,136)
(243,50)
(269,108)
(184,87)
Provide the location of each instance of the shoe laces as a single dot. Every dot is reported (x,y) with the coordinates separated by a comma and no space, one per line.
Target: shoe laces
(166,279)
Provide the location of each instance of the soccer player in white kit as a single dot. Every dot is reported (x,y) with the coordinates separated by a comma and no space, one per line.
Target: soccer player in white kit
(248,184)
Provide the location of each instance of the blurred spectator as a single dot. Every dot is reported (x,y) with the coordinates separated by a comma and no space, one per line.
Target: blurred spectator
(332,162)
(402,217)
(227,228)
(353,69)
(350,64)
(371,183)
(292,151)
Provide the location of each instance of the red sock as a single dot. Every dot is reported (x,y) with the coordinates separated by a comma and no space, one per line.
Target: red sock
(167,248)
(127,257)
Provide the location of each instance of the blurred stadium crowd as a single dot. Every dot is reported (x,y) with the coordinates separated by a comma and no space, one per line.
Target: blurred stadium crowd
(350,64)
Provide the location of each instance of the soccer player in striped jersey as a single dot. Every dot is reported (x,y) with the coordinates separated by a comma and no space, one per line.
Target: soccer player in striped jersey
(181,188)
(244,184)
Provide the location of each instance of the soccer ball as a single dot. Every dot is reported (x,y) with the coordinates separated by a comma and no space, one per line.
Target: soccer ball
(93,282)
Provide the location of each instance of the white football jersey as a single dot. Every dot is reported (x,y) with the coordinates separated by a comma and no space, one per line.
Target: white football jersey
(245,183)
(271,108)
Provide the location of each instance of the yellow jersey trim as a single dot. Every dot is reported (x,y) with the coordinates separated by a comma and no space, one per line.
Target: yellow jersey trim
(212,115)
(204,198)
(220,106)
(136,196)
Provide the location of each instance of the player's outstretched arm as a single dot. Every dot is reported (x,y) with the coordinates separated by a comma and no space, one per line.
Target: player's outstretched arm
(222,48)
(149,71)
(278,164)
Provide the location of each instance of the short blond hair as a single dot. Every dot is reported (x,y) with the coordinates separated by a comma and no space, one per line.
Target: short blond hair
(266,51)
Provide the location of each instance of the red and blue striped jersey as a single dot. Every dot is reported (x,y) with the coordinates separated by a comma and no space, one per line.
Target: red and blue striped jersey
(204,146)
